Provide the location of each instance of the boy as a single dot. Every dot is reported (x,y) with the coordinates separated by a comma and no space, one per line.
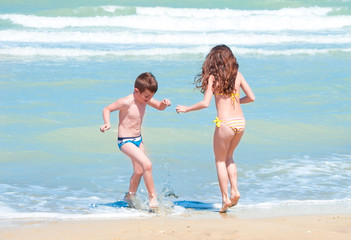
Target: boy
(131,112)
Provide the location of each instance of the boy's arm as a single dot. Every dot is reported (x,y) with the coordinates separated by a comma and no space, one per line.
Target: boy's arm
(118,105)
(202,104)
(159,105)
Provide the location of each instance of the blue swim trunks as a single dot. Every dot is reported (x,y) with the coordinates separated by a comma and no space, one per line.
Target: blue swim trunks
(123,140)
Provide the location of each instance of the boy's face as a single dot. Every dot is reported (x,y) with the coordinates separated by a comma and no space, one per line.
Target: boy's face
(143,97)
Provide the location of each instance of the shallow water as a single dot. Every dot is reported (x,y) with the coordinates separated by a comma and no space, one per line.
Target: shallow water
(61,63)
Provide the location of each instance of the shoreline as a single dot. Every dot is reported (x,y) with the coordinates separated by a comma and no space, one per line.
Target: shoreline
(191,210)
(193,226)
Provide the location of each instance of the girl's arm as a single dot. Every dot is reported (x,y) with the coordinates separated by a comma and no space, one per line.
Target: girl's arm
(202,104)
(249,95)
(159,105)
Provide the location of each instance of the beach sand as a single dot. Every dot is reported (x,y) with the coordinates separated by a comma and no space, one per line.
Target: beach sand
(223,226)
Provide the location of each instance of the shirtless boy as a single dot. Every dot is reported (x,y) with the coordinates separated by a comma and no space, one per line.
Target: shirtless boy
(131,112)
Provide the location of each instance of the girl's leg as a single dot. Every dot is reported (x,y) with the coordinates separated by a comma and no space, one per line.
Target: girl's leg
(138,157)
(232,170)
(221,143)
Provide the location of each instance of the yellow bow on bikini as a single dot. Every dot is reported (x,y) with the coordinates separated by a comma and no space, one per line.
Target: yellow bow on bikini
(233,95)
(217,121)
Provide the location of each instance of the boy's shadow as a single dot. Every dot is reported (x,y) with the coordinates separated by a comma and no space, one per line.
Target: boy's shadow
(196,205)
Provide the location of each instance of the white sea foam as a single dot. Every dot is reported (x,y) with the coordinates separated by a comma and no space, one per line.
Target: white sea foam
(113,8)
(147,31)
(152,52)
(197,20)
(191,39)
(297,186)
(122,213)
(211,13)
(301,179)
(272,208)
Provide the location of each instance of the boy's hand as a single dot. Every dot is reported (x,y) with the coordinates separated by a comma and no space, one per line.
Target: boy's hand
(181,108)
(105,127)
(166,102)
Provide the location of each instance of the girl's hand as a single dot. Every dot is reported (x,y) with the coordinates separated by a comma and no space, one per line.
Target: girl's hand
(181,108)
(105,127)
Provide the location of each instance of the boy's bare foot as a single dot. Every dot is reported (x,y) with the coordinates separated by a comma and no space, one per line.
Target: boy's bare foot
(153,204)
(225,206)
(234,200)
(129,198)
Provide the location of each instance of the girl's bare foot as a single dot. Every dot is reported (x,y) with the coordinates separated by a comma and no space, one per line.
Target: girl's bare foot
(225,206)
(234,199)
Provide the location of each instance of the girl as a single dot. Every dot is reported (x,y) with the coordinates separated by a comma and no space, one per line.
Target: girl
(220,77)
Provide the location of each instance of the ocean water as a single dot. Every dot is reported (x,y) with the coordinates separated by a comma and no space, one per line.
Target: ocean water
(61,62)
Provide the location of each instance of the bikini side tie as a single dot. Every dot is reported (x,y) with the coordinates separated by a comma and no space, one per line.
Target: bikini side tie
(217,121)
(233,95)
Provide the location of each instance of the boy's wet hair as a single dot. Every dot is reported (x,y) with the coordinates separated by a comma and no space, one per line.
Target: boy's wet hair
(146,81)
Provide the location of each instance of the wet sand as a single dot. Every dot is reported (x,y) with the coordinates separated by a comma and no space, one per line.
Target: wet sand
(221,226)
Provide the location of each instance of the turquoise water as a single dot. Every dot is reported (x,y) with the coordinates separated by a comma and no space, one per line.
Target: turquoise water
(62,62)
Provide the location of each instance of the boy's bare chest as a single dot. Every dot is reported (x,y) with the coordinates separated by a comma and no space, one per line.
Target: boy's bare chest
(136,112)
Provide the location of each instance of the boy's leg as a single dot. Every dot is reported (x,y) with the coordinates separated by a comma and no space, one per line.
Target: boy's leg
(232,170)
(136,177)
(138,157)
(221,141)
(133,184)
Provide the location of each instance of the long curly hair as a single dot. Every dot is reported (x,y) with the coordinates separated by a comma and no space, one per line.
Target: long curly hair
(222,64)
